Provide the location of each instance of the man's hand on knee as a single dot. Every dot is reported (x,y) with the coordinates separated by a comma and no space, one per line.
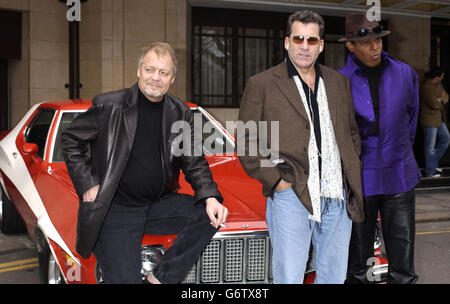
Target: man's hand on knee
(216,211)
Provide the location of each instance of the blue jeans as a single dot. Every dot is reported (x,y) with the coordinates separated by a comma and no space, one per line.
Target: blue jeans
(433,152)
(291,233)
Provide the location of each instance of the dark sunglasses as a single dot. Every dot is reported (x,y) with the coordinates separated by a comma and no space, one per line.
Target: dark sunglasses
(364,32)
(310,40)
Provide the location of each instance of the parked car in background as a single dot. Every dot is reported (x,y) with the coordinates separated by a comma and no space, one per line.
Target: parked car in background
(38,196)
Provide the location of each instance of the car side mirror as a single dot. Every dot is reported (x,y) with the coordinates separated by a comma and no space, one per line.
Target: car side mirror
(30,148)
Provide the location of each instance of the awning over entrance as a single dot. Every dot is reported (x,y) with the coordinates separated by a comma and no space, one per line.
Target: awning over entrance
(423,8)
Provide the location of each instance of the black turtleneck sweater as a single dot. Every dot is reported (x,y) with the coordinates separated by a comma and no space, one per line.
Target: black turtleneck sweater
(142,179)
(373,76)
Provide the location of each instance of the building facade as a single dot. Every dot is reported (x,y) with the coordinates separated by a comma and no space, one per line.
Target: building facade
(219,44)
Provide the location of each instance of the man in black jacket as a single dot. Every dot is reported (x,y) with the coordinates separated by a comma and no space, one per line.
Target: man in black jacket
(127,186)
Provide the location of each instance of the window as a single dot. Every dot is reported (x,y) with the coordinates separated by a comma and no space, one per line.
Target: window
(214,141)
(66,119)
(37,130)
(213,65)
(229,46)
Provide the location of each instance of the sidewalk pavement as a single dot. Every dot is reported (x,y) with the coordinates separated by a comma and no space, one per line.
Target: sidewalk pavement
(432,205)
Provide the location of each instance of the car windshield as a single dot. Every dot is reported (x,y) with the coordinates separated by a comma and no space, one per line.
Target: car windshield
(214,140)
(66,119)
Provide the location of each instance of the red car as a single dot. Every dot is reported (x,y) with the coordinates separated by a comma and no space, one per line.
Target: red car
(38,195)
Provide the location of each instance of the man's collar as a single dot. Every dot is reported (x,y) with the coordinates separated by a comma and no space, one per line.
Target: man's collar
(353,66)
(368,69)
(292,71)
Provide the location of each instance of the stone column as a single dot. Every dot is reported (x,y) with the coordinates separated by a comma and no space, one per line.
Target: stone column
(112,32)
(409,41)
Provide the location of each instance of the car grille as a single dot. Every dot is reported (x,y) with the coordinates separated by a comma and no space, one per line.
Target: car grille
(236,258)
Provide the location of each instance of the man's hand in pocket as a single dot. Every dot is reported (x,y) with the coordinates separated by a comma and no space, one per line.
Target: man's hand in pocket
(91,194)
(283,185)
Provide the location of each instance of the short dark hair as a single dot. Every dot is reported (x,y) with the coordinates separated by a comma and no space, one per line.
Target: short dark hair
(306,17)
(434,72)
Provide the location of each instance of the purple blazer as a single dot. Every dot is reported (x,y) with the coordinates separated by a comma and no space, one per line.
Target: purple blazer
(388,162)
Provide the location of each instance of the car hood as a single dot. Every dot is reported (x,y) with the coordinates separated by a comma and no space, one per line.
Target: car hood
(242,194)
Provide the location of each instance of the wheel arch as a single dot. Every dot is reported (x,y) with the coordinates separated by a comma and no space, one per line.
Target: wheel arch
(45,248)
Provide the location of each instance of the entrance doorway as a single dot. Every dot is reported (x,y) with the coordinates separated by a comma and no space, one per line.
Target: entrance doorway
(440,48)
(11,48)
(4,95)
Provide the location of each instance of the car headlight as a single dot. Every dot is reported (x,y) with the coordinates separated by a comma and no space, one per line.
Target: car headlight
(150,256)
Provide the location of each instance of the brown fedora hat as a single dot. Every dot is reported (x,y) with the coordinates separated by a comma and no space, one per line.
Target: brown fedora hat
(357,27)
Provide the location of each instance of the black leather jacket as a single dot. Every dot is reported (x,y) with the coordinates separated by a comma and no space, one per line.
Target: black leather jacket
(108,128)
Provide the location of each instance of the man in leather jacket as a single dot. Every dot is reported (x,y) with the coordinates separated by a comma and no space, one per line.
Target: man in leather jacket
(128,184)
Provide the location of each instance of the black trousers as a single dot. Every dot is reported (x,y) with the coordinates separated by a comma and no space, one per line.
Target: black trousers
(118,248)
(397,214)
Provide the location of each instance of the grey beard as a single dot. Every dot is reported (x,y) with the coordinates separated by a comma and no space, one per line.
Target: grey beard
(152,95)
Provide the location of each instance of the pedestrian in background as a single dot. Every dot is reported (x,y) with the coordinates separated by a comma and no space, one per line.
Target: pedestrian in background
(433,99)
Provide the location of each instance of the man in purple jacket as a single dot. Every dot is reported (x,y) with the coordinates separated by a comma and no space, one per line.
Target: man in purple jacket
(385,94)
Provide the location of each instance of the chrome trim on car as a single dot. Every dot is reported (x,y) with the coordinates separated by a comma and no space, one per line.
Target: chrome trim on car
(239,257)
(380,269)
(228,136)
(53,253)
(55,275)
(57,123)
(249,233)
